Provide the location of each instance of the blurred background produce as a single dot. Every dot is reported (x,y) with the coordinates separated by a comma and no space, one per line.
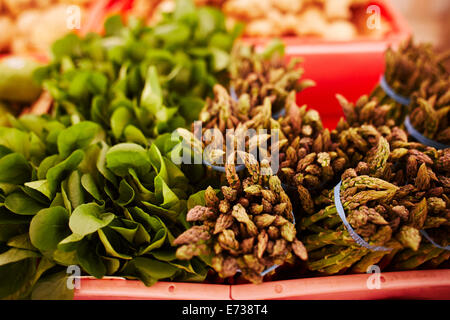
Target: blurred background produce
(429,20)
(328,19)
(30,26)
(17,87)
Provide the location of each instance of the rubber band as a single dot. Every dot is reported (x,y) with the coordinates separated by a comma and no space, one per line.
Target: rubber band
(239,167)
(233,94)
(269,270)
(425,234)
(353,234)
(391,93)
(279,114)
(421,138)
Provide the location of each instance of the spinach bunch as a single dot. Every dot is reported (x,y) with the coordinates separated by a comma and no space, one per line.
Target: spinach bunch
(138,81)
(67,197)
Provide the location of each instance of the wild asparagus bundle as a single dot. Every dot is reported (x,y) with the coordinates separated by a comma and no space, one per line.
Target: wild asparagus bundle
(265,74)
(224,113)
(437,223)
(430,110)
(406,70)
(226,121)
(387,199)
(367,111)
(248,228)
(353,143)
(309,160)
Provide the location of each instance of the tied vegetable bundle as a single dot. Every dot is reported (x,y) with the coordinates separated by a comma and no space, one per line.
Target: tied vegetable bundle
(247,229)
(430,110)
(137,81)
(437,211)
(266,74)
(223,112)
(244,120)
(407,69)
(226,121)
(310,161)
(419,74)
(69,198)
(396,191)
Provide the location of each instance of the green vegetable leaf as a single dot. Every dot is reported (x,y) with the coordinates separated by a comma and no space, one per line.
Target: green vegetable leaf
(151,98)
(53,287)
(149,270)
(20,203)
(89,259)
(79,136)
(56,174)
(49,227)
(14,168)
(88,218)
(122,157)
(14,255)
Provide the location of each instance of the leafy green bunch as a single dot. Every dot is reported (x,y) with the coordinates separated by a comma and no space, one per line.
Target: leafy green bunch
(139,81)
(69,198)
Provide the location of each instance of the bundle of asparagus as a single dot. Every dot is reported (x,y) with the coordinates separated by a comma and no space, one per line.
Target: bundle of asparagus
(388,198)
(405,72)
(248,229)
(266,74)
(224,113)
(430,110)
(436,203)
(227,123)
(353,143)
(309,161)
(367,111)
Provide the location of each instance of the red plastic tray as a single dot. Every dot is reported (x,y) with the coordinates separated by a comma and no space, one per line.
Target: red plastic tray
(351,68)
(121,289)
(427,284)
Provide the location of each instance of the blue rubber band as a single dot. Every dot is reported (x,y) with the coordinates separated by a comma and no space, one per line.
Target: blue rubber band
(279,114)
(425,234)
(353,234)
(233,94)
(239,167)
(269,270)
(421,138)
(391,93)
